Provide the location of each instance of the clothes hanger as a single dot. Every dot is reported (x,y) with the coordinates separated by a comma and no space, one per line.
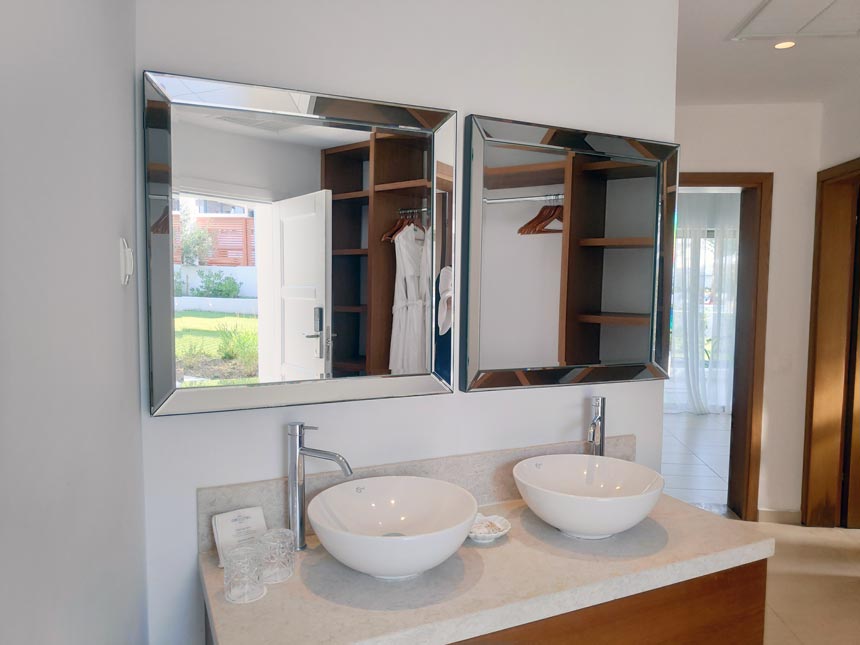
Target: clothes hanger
(399,225)
(550,215)
(389,235)
(418,222)
(402,222)
(556,215)
(415,220)
(538,224)
(526,228)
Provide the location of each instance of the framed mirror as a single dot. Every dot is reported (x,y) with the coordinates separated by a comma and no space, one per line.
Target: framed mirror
(299,246)
(568,240)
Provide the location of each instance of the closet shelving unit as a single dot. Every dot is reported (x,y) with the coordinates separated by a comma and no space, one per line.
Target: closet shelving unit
(370,182)
(584,241)
(525,175)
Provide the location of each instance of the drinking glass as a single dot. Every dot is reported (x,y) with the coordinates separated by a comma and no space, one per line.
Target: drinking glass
(277,547)
(243,574)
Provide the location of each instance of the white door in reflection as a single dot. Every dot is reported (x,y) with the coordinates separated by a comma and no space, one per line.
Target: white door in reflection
(294,258)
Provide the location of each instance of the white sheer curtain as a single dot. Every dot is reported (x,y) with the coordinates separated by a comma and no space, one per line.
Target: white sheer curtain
(704,302)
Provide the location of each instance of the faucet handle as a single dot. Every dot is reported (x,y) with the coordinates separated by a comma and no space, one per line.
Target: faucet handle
(297,428)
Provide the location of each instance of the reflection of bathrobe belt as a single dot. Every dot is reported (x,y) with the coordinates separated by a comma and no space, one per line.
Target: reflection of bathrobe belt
(405,304)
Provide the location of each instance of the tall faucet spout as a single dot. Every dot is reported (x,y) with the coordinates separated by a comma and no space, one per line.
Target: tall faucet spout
(330,456)
(296,453)
(597,429)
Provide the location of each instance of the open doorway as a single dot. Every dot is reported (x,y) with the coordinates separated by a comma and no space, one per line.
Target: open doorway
(215,289)
(712,421)
(698,398)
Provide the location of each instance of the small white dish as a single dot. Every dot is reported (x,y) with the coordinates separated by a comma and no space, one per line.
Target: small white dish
(488,528)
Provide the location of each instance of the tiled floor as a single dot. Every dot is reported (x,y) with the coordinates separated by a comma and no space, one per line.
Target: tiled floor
(813,586)
(813,581)
(696,457)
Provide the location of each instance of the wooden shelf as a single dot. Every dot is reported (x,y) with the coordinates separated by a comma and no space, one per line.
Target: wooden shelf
(412,186)
(620,169)
(360,150)
(536,174)
(616,318)
(618,242)
(350,309)
(356,194)
(444,177)
(411,141)
(349,252)
(353,364)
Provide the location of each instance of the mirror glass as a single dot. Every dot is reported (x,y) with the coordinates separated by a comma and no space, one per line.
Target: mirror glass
(295,240)
(569,255)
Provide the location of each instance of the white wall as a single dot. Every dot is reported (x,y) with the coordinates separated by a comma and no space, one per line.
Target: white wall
(520,285)
(71,498)
(628,274)
(784,139)
(209,160)
(246,277)
(492,58)
(840,137)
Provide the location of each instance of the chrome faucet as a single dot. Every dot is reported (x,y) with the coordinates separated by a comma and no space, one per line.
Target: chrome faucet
(596,431)
(296,453)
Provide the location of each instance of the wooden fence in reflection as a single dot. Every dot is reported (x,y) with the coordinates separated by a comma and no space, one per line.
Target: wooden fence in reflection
(232,240)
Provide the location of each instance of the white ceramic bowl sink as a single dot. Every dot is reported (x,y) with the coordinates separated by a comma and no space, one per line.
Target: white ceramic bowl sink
(585,496)
(392,527)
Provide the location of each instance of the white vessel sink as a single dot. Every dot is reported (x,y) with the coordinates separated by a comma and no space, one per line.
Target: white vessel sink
(392,527)
(585,496)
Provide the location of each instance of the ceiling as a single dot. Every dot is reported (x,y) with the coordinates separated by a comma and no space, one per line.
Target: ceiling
(266,125)
(726,54)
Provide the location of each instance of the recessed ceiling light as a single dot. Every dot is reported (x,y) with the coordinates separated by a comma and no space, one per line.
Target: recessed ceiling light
(786,44)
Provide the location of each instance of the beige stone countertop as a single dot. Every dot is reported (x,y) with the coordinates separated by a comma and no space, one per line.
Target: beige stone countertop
(533,573)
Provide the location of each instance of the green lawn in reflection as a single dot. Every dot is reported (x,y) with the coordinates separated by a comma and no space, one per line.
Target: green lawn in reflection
(214,348)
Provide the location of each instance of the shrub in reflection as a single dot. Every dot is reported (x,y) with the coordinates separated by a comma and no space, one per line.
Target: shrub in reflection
(214,284)
(179,286)
(238,344)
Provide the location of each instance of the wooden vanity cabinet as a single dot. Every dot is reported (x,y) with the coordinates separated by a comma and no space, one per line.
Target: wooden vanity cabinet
(723,607)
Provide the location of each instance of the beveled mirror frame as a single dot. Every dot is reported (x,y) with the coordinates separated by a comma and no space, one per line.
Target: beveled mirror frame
(663,156)
(322,110)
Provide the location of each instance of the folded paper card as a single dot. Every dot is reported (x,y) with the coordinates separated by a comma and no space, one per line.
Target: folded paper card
(237,528)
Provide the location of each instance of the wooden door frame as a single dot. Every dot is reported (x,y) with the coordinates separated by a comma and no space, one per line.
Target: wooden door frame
(751,323)
(825,434)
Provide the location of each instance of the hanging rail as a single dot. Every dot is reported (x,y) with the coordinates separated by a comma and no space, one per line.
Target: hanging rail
(413,211)
(535,198)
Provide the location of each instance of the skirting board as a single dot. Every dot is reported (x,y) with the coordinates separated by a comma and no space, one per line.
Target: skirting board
(779,517)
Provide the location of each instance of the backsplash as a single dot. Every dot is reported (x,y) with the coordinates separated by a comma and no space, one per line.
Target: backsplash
(487,475)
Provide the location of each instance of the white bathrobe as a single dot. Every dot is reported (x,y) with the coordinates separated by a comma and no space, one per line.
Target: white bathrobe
(409,337)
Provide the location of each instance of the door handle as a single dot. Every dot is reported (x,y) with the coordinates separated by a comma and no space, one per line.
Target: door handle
(318,333)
